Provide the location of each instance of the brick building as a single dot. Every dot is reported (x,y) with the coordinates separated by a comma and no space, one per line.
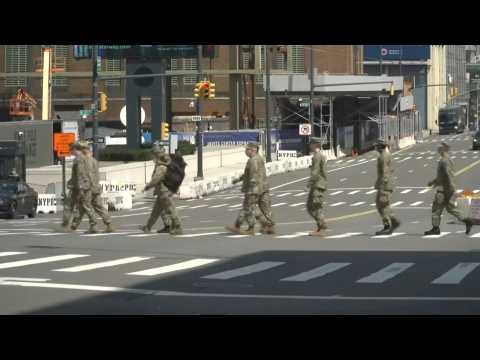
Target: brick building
(71,94)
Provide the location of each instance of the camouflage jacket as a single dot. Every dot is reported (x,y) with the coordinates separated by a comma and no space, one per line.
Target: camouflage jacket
(445,174)
(318,172)
(158,175)
(255,176)
(94,175)
(81,181)
(384,172)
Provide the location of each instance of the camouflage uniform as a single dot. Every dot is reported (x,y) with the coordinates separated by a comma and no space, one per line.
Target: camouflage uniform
(384,186)
(96,191)
(163,206)
(445,194)
(317,186)
(256,189)
(70,207)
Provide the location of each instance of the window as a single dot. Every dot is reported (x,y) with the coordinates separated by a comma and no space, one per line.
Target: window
(190,64)
(296,59)
(60,61)
(113,65)
(174,66)
(16,61)
(259,79)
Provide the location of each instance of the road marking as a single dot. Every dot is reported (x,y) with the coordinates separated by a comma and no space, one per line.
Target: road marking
(103,264)
(424,191)
(459,191)
(425,165)
(190,264)
(419,157)
(358,203)
(442,234)
(130,215)
(456,274)
(50,234)
(477,235)
(297,204)
(406,191)
(466,168)
(453,157)
(341,236)
(386,273)
(10,233)
(140,208)
(464,157)
(387,236)
(476,191)
(282,195)
(407,158)
(301,194)
(364,172)
(430,158)
(336,192)
(198,206)
(144,235)
(182,206)
(246,270)
(349,161)
(338,203)
(371,191)
(236,236)
(316,272)
(200,234)
(344,179)
(106,234)
(353,192)
(235,206)
(279,204)
(10,253)
(416,203)
(217,206)
(338,161)
(20,263)
(291,236)
(397,203)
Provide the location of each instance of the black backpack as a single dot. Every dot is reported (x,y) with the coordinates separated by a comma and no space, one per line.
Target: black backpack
(175,173)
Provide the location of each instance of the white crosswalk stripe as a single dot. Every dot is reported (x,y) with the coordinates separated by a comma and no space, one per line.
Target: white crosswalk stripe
(353,192)
(279,204)
(297,204)
(477,235)
(217,206)
(104,264)
(371,191)
(453,157)
(235,206)
(199,234)
(406,191)
(42,260)
(300,194)
(419,157)
(358,203)
(338,203)
(442,234)
(387,236)
(386,273)
(416,203)
(336,192)
(246,270)
(198,206)
(424,191)
(341,236)
(285,194)
(456,274)
(10,253)
(317,272)
(292,236)
(190,264)
(397,203)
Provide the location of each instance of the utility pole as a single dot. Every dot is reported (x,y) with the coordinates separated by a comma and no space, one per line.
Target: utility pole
(312,83)
(200,123)
(478,124)
(267,103)
(94,100)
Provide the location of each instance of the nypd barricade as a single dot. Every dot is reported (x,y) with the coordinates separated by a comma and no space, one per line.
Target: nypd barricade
(117,196)
(47,204)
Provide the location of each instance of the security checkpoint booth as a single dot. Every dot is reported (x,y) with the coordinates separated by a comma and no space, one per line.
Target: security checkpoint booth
(350,112)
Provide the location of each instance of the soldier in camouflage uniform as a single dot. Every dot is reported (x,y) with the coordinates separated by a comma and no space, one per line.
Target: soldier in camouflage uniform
(163,204)
(256,189)
(82,182)
(70,207)
(445,194)
(317,186)
(96,189)
(384,186)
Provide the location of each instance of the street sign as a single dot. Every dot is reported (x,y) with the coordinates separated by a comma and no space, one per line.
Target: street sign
(61,143)
(304,104)
(100,140)
(196,118)
(85,113)
(304,129)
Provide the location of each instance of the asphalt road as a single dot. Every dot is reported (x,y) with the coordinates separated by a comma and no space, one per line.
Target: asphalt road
(209,271)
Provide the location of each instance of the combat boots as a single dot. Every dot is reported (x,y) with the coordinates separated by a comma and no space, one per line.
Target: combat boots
(144,228)
(268,230)
(468,225)
(433,231)
(176,228)
(166,229)
(110,228)
(250,231)
(92,230)
(234,229)
(395,224)
(387,230)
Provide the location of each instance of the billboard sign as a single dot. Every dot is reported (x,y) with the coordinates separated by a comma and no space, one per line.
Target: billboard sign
(396,52)
(149,51)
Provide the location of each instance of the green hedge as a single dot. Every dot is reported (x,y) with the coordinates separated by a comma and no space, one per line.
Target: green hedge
(122,153)
(185,148)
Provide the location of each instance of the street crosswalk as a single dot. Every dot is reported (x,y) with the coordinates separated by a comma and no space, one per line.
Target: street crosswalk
(277,270)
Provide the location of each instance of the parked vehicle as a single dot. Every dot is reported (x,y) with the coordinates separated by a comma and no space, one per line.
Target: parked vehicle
(476,141)
(452,119)
(17,198)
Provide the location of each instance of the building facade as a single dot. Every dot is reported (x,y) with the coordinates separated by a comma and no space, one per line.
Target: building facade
(72,94)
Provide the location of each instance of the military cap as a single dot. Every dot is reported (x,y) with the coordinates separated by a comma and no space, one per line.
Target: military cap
(253,145)
(381,143)
(83,145)
(315,140)
(445,146)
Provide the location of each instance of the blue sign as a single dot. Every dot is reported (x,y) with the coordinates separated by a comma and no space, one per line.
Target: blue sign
(233,138)
(396,52)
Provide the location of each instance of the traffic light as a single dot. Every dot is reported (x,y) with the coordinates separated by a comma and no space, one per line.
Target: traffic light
(102,102)
(205,89)
(211,91)
(209,51)
(196,90)
(164,131)
(392,90)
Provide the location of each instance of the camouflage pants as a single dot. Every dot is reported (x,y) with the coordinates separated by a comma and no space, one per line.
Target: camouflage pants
(315,206)
(70,207)
(250,212)
(165,209)
(89,204)
(444,201)
(383,206)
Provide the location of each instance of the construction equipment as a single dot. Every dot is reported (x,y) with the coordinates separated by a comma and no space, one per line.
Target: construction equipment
(22,104)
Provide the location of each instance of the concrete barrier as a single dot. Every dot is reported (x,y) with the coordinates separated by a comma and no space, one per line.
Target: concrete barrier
(406,142)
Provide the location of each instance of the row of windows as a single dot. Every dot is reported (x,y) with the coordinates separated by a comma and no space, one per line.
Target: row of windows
(17,60)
